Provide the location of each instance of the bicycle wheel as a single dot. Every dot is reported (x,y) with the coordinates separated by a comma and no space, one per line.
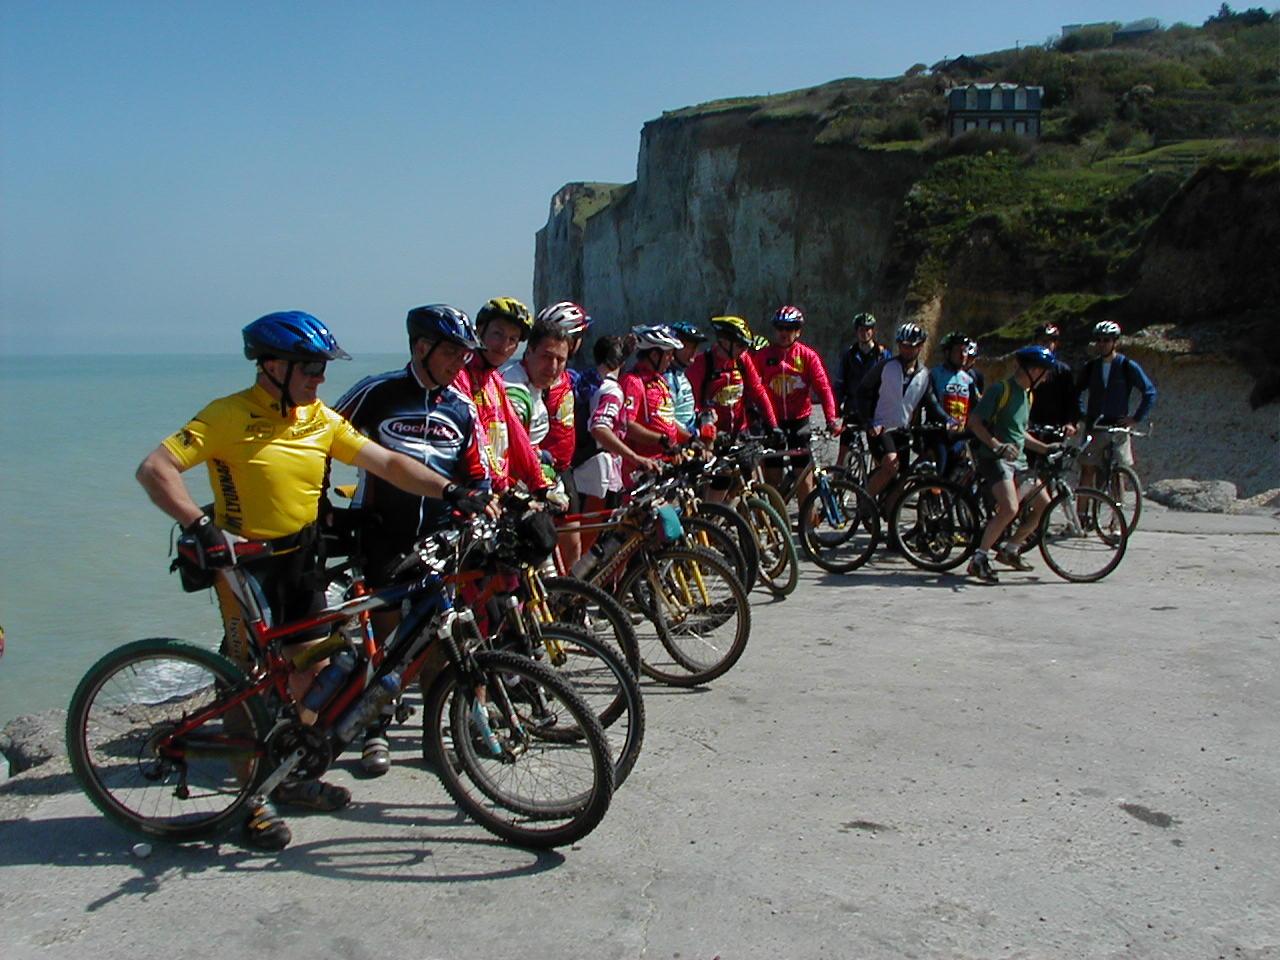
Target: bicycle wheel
(779,565)
(132,763)
(696,615)
(839,525)
(856,467)
(602,679)
(582,604)
(1124,487)
(711,536)
(729,520)
(933,526)
(1083,535)
(774,497)
(538,791)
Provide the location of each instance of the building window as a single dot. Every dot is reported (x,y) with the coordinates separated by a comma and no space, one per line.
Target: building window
(1020,127)
(997,126)
(971,98)
(1020,98)
(971,125)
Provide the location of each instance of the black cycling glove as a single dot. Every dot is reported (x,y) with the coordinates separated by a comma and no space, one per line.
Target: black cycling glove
(213,548)
(466,501)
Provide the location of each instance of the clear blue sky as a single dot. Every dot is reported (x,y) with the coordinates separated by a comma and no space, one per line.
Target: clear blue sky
(171,170)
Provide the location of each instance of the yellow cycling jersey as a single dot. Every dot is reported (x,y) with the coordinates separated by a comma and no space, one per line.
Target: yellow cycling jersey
(266,469)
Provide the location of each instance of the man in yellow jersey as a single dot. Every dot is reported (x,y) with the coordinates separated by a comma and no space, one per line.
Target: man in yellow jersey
(266,449)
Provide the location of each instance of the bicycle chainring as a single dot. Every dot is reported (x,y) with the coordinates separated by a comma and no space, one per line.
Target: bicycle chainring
(288,737)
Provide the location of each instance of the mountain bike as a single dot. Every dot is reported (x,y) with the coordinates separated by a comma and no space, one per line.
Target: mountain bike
(1118,479)
(689,611)
(763,509)
(1082,535)
(172,740)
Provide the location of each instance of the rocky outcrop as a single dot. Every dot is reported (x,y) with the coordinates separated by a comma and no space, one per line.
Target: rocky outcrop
(31,740)
(728,215)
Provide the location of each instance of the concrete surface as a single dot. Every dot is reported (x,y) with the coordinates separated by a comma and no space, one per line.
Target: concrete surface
(902,765)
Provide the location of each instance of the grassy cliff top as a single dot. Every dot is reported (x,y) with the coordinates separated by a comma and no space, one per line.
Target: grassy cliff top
(1177,83)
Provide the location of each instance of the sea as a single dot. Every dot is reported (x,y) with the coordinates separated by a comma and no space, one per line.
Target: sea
(84,555)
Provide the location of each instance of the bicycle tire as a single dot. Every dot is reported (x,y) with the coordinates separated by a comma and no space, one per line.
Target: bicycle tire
(770,493)
(728,519)
(1124,487)
(687,649)
(933,524)
(1083,535)
(116,722)
(497,793)
(609,688)
(779,564)
(582,604)
(711,536)
(849,543)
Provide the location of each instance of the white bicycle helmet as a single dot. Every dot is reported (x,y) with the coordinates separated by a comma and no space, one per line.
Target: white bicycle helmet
(1105,328)
(657,336)
(566,315)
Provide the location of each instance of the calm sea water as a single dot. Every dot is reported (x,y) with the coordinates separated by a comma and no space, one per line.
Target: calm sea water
(83,554)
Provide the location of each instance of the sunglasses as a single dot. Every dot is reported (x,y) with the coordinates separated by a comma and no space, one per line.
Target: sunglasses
(313,368)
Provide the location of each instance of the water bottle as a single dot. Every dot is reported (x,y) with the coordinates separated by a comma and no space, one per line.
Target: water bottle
(369,707)
(330,680)
(591,559)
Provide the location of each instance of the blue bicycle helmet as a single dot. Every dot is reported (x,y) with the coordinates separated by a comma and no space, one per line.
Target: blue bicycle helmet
(439,321)
(1035,356)
(291,335)
(688,331)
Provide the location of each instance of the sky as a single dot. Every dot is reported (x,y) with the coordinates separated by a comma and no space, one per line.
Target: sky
(171,170)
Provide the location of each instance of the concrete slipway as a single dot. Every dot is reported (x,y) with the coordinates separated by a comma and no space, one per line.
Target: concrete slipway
(902,765)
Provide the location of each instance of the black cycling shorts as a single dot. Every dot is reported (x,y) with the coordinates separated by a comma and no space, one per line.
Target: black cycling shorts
(891,441)
(797,433)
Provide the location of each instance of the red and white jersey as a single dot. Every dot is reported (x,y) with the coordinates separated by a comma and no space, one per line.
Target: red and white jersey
(792,375)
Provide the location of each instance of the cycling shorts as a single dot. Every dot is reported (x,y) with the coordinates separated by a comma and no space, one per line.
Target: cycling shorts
(290,587)
(1095,451)
(797,433)
(891,441)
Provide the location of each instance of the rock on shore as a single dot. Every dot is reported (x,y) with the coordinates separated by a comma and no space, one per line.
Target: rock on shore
(31,740)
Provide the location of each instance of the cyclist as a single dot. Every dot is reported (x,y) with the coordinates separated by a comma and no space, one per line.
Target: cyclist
(1056,402)
(955,390)
(854,364)
(415,411)
(725,379)
(889,399)
(559,396)
(1105,385)
(601,449)
(1000,423)
(542,397)
(266,449)
(573,319)
(677,377)
(502,323)
(652,429)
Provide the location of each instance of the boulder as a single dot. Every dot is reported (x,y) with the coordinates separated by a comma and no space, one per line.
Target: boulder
(31,740)
(1201,496)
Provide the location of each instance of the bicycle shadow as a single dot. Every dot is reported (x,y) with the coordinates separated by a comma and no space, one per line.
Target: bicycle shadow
(423,849)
